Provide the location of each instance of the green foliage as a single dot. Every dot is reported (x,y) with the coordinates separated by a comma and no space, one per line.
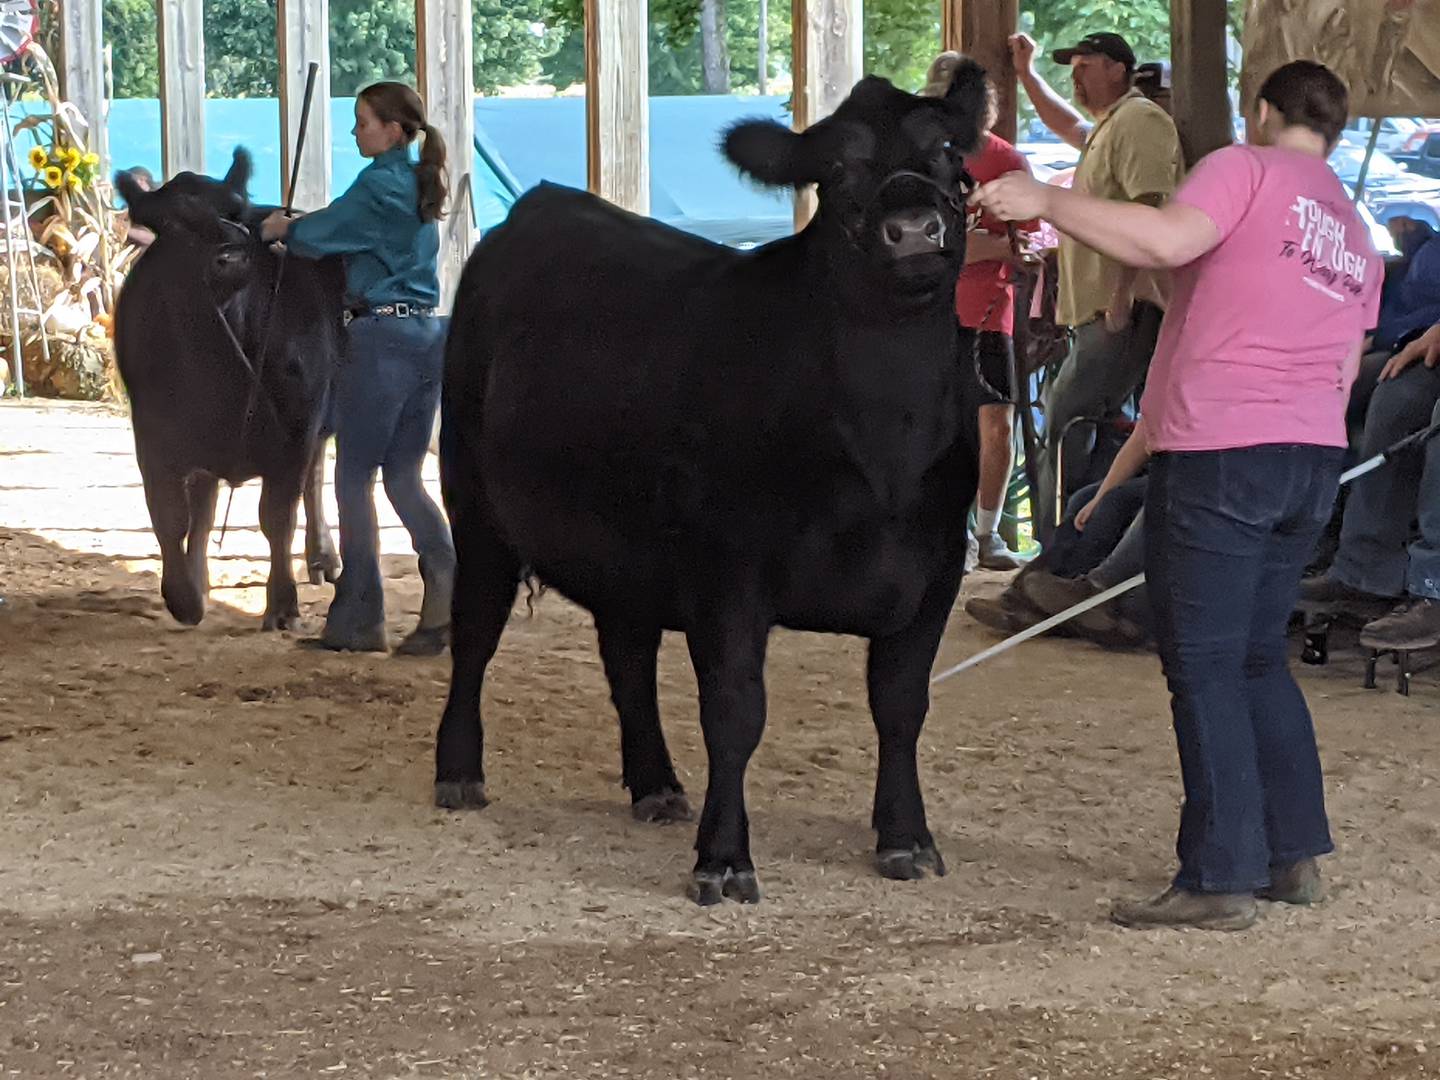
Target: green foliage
(132,32)
(675,60)
(241,57)
(901,38)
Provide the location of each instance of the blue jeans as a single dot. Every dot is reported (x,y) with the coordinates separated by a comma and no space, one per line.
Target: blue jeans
(1377,552)
(1227,534)
(385,403)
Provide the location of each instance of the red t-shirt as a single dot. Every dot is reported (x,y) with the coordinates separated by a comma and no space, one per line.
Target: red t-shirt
(984,284)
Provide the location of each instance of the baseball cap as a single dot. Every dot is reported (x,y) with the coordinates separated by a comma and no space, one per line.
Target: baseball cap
(1112,45)
(1156,72)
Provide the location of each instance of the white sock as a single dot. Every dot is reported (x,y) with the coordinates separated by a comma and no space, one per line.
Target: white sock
(985,521)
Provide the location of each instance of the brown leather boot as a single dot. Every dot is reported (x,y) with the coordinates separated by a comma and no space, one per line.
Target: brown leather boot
(1177,907)
(1295,883)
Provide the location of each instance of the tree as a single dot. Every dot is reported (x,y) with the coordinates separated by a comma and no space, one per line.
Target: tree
(241,59)
(901,38)
(131,31)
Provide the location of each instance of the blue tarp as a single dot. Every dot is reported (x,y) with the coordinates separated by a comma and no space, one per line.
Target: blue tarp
(521,141)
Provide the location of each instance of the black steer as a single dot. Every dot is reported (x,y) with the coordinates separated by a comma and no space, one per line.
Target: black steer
(681,436)
(191,324)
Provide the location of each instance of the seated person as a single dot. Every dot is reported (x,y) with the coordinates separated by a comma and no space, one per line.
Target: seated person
(1379,558)
(138,234)
(1099,545)
(1053,592)
(1411,305)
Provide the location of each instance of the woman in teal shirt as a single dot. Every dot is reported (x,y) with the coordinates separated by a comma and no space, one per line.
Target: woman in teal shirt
(385,229)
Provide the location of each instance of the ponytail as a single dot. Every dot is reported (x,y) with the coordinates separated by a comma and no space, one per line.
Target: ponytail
(434,187)
(397,103)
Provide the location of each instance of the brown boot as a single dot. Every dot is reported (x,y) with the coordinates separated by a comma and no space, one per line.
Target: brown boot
(1177,907)
(1294,883)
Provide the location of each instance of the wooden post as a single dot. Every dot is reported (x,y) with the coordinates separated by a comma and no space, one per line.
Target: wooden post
(617,101)
(445,54)
(982,29)
(82,72)
(182,85)
(827,62)
(303,31)
(1197,75)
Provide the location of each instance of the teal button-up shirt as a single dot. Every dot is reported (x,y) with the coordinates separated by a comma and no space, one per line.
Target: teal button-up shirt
(390,254)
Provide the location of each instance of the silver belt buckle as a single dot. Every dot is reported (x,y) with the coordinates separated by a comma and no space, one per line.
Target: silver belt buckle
(402,310)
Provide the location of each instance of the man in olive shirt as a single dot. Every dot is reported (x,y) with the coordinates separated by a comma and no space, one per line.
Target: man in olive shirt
(1130,153)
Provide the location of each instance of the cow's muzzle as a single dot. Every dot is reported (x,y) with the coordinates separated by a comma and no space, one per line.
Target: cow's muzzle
(916,231)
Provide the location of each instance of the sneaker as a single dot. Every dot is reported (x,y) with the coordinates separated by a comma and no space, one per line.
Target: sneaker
(1178,908)
(1328,590)
(1414,624)
(1053,595)
(1294,883)
(995,554)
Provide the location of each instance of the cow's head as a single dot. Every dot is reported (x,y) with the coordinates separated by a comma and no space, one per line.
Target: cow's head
(212,212)
(888,167)
(190,202)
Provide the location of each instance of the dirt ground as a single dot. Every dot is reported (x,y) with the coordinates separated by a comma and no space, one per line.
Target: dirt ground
(219,857)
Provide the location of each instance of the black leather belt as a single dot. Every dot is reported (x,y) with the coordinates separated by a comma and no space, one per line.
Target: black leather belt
(399,310)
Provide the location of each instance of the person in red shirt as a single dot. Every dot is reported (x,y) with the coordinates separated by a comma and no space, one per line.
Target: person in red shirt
(985,303)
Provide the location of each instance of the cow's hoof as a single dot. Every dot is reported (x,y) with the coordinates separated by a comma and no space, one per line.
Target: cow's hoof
(460,795)
(281,620)
(663,806)
(187,606)
(742,887)
(708,888)
(909,864)
(324,570)
(423,642)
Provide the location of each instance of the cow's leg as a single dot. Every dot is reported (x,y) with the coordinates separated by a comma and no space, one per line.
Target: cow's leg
(321,559)
(279,507)
(202,491)
(487,575)
(898,681)
(170,516)
(628,652)
(727,649)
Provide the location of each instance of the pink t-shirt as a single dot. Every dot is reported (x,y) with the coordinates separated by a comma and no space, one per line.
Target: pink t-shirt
(1257,343)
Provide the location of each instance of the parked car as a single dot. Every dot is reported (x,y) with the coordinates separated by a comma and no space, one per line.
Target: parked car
(1390,190)
(1426,159)
(1397,133)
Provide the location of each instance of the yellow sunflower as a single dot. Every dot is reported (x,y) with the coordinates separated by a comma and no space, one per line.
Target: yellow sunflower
(39,157)
(71,157)
(92,159)
(54,177)
(73,182)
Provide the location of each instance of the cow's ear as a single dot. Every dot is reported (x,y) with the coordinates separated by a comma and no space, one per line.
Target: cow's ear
(968,99)
(773,154)
(770,153)
(138,201)
(238,178)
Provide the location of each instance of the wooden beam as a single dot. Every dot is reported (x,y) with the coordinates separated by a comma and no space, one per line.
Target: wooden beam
(617,101)
(827,61)
(445,55)
(302,28)
(982,29)
(182,85)
(1199,91)
(82,71)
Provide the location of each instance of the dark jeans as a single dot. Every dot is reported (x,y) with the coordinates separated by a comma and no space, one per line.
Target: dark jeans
(387,394)
(1102,370)
(1378,549)
(1073,553)
(1227,534)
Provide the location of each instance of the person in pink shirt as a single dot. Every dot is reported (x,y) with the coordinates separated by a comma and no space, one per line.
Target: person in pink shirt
(1243,418)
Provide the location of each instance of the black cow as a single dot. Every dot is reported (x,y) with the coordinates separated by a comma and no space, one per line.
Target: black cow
(681,436)
(200,345)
